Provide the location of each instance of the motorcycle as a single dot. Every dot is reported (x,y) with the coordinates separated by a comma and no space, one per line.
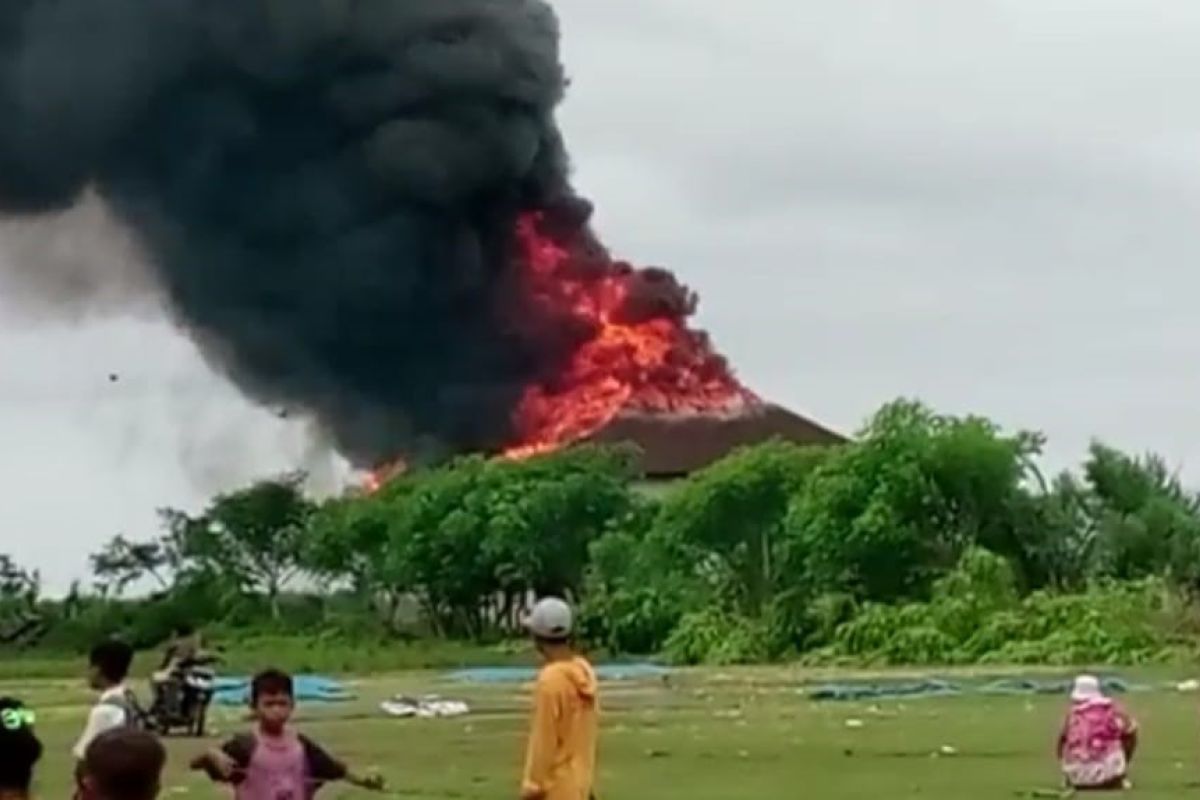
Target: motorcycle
(181,696)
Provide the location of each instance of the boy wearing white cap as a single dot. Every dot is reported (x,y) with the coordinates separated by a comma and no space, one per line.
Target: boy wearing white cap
(1098,739)
(560,761)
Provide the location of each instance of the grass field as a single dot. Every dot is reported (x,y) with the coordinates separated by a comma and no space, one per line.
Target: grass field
(704,736)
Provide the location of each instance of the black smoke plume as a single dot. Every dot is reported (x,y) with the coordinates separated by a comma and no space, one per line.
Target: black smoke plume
(327,190)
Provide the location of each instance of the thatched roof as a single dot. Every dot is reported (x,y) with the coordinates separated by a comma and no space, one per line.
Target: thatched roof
(674,445)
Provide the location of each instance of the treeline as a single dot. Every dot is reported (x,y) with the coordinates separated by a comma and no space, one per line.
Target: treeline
(929,539)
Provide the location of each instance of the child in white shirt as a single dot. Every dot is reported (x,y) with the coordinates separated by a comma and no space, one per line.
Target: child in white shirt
(116,707)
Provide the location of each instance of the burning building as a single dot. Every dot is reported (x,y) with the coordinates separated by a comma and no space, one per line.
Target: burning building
(362,214)
(672,446)
(643,377)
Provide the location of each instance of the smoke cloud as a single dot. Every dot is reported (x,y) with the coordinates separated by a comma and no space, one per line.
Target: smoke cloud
(77,265)
(326,191)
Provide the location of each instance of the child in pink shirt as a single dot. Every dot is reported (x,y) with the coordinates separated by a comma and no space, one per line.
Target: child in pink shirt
(1097,741)
(274,762)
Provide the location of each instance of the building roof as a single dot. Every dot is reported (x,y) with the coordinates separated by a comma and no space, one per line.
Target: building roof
(672,445)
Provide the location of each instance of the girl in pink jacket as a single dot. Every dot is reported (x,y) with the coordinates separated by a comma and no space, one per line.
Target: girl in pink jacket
(1098,739)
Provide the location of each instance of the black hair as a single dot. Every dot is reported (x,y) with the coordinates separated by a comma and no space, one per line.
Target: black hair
(270,681)
(185,629)
(553,640)
(20,748)
(125,764)
(112,658)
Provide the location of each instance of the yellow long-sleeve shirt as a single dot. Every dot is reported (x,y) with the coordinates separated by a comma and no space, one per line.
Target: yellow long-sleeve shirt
(561,758)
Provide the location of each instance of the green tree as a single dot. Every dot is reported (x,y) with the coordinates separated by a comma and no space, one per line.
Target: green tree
(122,562)
(728,519)
(543,514)
(350,539)
(20,592)
(1058,542)
(1145,521)
(254,537)
(476,536)
(635,590)
(437,539)
(885,516)
(17,583)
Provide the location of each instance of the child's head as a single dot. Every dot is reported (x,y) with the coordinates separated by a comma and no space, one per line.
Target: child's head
(19,747)
(109,663)
(272,699)
(1087,689)
(550,625)
(123,764)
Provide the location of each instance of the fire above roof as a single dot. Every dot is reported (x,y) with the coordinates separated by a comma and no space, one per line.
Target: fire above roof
(676,444)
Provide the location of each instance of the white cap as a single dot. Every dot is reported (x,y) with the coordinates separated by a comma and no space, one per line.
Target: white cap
(551,618)
(1087,687)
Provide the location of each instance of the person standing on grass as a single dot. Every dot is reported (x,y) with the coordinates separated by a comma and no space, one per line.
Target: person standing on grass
(560,759)
(20,750)
(1098,739)
(123,764)
(273,761)
(116,707)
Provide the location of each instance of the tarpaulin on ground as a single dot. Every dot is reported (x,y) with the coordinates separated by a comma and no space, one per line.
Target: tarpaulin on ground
(864,690)
(605,672)
(933,687)
(235,691)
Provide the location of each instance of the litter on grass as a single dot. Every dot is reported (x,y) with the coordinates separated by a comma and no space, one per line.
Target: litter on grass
(430,706)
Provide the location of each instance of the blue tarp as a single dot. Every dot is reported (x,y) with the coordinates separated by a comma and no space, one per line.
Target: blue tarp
(932,687)
(605,672)
(871,691)
(1027,686)
(235,691)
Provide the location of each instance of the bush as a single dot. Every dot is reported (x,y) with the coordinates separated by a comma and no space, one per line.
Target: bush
(716,638)
(635,620)
(975,616)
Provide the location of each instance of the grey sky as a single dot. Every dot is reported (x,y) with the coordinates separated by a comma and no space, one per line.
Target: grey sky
(989,205)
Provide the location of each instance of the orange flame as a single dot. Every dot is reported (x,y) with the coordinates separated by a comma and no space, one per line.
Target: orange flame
(655,365)
(378,477)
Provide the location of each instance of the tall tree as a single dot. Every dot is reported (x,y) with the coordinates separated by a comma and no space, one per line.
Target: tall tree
(254,537)
(20,591)
(1146,522)
(350,540)
(731,515)
(122,562)
(883,518)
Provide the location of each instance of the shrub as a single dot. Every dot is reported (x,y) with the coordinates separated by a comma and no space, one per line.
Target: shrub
(975,616)
(717,638)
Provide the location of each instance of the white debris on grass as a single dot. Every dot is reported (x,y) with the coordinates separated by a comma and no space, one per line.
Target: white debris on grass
(427,707)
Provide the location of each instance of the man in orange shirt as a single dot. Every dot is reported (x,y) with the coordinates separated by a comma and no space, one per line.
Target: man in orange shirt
(561,758)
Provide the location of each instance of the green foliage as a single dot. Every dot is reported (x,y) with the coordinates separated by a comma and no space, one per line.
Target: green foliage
(478,536)
(634,594)
(251,538)
(122,562)
(717,638)
(729,518)
(883,518)
(931,539)
(975,616)
(1144,521)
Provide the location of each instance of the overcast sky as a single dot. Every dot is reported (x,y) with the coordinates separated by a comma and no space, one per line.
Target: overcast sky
(992,206)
